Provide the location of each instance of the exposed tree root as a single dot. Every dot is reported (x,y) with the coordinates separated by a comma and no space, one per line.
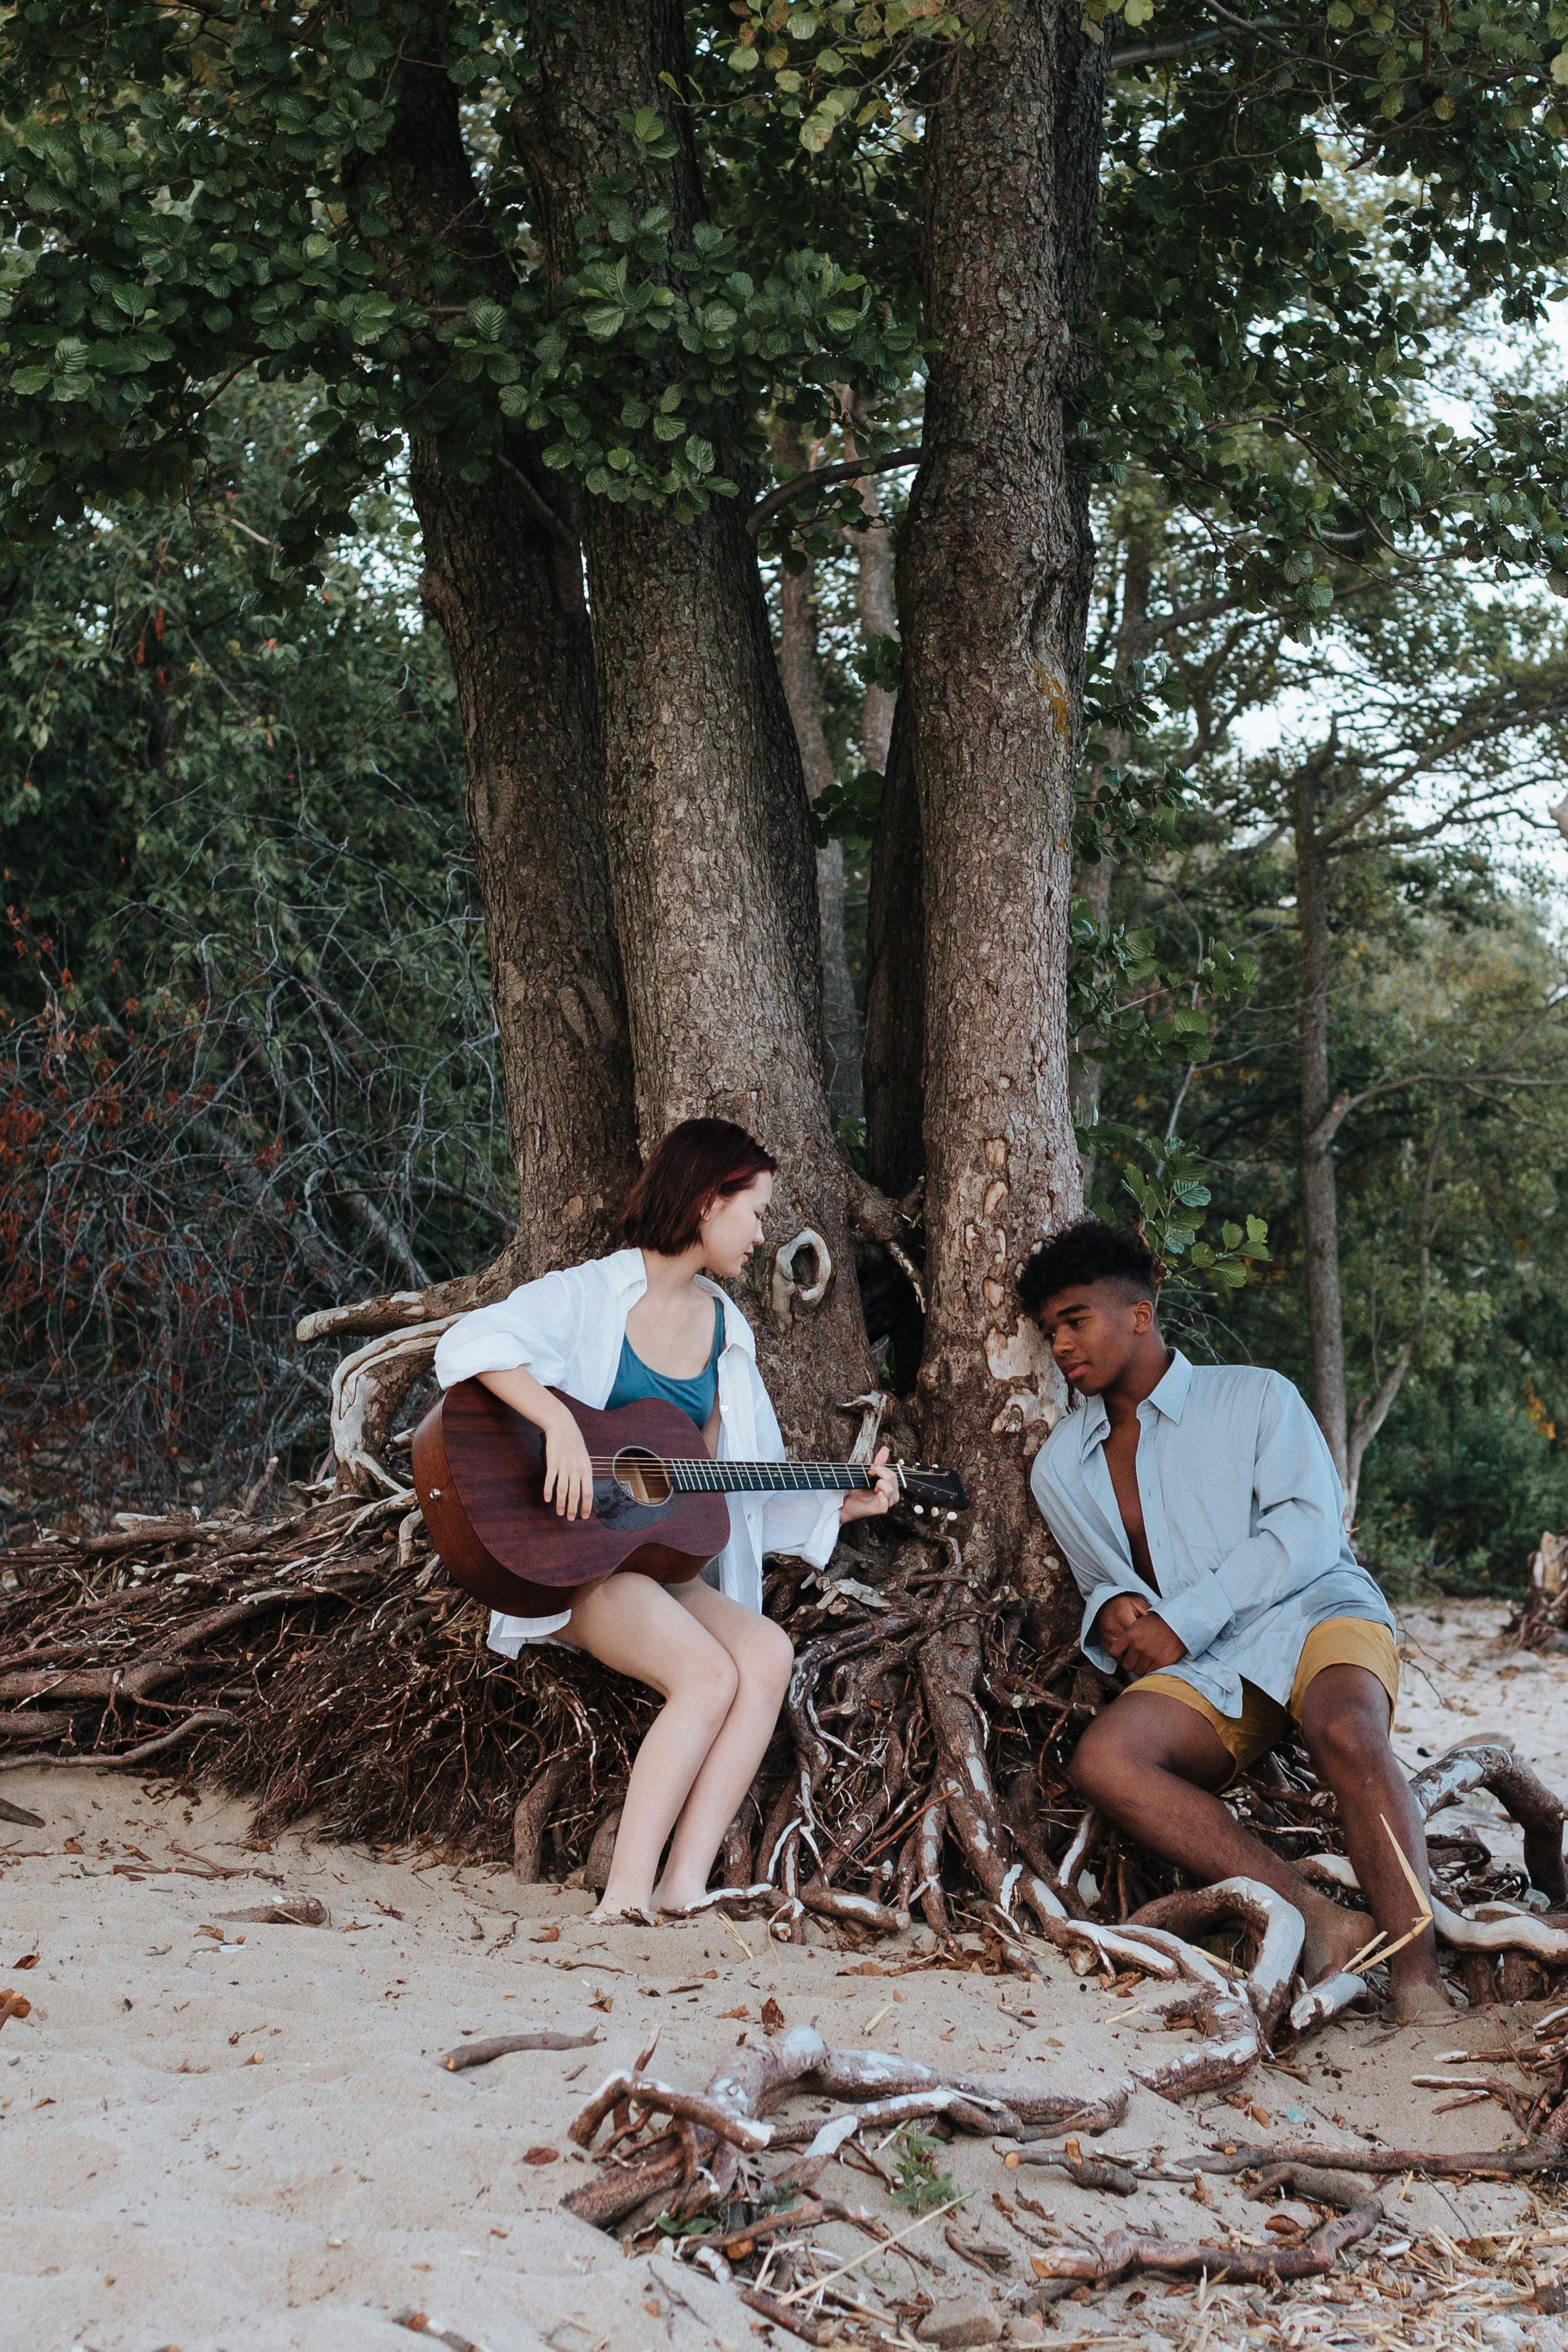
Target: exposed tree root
(1277,1924)
(1487,1765)
(727,2121)
(1122,2254)
(1500,1927)
(321,1662)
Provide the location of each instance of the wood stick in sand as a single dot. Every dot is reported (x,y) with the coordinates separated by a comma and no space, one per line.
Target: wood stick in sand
(502,2045)
(20,1816)
(284,1911)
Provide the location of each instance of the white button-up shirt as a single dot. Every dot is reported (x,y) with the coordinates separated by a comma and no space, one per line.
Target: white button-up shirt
(1245,1519)
(566,1329)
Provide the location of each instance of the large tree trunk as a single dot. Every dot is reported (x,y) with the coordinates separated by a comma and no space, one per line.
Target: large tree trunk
(711,859)
(801,668)
(1320,1194)
(994,579)
(876,604)
(895,1057)
(506,588)
(1093,881)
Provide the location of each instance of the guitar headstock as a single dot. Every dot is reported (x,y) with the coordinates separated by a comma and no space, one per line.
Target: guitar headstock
(929,1488)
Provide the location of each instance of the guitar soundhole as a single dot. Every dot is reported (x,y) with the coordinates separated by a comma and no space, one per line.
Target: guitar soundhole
(642,1475)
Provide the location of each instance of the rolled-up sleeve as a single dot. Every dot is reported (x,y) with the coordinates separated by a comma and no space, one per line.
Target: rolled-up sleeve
(804,1526)
(534,1329)
(1297,1505)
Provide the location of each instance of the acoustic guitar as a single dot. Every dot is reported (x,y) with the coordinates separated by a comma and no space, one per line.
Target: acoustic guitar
(658,1497)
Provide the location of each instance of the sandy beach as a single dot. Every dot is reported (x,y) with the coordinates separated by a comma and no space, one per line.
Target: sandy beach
(218,2134)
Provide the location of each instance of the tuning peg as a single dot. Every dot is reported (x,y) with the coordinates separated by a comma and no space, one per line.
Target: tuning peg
(920,1510)
(952,1514)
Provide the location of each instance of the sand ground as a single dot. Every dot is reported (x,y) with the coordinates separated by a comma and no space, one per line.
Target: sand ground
(217,2134)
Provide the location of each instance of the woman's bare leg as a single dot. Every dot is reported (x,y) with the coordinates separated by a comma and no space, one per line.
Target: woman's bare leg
(638,1628)
(762,1657)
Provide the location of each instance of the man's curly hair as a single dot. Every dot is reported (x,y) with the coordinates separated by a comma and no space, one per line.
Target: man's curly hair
(1089,1251)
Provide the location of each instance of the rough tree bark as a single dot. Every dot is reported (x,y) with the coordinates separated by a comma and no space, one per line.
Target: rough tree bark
(1092,883)
(801,668)
(997,532)
(506,589)
(876,604)
(895,1057)
(711,862)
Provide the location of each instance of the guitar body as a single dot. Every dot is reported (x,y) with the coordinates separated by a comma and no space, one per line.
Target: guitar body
(479,1470)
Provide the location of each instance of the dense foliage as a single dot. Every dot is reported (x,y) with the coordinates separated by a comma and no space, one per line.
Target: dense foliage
(245,1054)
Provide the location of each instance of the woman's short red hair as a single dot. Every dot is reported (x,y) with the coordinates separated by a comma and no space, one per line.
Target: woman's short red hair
(699,1162)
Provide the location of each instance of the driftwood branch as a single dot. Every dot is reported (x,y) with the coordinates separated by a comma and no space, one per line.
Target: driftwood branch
(1122,2254)
(503,2045)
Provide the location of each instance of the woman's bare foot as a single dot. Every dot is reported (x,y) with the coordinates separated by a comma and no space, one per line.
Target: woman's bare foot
(613,1913)
(673,1901)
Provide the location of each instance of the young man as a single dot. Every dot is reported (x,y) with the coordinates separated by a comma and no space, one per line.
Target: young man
(1199,1511)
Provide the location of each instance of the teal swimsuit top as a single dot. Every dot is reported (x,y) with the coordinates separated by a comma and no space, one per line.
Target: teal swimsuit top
(697,1396)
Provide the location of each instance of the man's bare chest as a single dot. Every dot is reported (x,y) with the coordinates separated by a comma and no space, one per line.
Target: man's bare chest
(1122,1463)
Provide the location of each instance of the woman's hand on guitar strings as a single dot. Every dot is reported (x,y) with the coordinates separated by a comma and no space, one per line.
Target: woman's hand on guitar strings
(569,1471)
(870,1503)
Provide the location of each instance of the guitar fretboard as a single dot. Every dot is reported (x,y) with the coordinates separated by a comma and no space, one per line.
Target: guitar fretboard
(769,1477)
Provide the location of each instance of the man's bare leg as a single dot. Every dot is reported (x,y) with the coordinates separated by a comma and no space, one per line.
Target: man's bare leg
(1152,1765)
(1345,1717)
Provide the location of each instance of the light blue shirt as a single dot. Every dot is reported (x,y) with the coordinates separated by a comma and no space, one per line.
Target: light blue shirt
(1245,1519)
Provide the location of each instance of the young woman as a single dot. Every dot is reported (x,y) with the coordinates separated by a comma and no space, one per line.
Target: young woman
(648,1322)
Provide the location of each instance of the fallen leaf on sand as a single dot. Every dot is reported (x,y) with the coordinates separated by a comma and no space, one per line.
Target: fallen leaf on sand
(550,1935)
(541,2156)
(27,1960)
(741,2011)
(73,1845)
(772,2015)
(602,2000)
(13,2004)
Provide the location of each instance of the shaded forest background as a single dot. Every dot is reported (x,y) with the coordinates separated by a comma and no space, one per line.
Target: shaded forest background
(248,1052)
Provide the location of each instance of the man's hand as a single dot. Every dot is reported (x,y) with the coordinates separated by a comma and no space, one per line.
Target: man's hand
(1136,1637)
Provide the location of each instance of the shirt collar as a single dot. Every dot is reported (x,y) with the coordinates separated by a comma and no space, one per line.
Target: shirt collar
(1169,1397)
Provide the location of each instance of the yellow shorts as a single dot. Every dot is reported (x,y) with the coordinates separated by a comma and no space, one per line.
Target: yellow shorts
(1337,1641)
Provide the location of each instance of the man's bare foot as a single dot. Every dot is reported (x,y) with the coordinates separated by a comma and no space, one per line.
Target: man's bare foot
(1335,1936)
(1421,2000)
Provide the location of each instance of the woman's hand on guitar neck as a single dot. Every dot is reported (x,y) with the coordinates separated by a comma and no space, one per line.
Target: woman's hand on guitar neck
(870,1503)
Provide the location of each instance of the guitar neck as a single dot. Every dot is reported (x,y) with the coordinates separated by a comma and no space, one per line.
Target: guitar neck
(695,1477)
